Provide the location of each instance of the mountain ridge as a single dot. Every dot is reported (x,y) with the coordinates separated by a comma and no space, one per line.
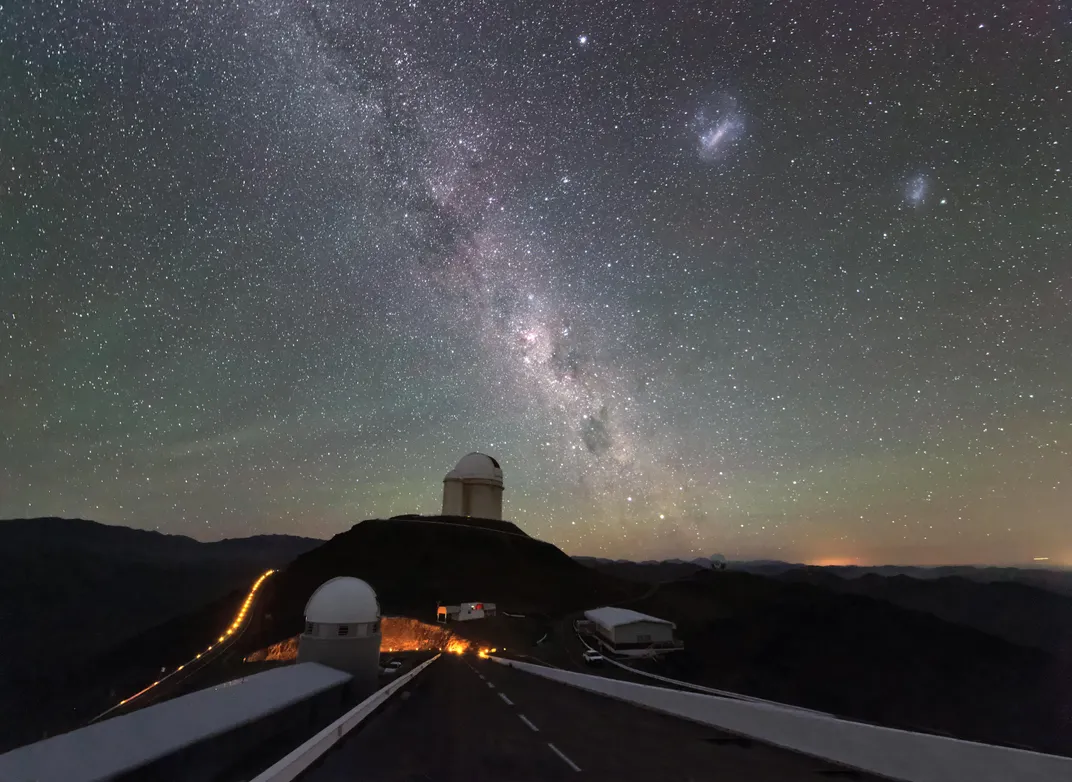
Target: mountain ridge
(50,566)
(784,639)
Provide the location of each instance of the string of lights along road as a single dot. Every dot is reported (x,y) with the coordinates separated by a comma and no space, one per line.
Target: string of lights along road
(233,628)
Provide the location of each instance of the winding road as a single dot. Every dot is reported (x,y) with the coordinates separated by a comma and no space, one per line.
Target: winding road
(224,642)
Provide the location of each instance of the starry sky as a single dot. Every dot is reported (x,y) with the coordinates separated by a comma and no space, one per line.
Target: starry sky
(772,279)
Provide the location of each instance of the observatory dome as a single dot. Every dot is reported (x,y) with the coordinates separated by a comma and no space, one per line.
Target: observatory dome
(343,600)
(476,467)
(474,488)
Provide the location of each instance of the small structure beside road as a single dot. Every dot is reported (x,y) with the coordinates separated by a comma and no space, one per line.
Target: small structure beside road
(464,612)
(629,633)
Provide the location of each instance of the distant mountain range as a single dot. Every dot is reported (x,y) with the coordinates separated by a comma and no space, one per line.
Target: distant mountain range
(1026,606)
(72,588)
(1054,579)
(983,660)
(1057,579)
(91,538)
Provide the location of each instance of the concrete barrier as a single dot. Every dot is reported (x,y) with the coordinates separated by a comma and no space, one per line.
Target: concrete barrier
(297,761)
(896,754)
(199,736)
(690,685)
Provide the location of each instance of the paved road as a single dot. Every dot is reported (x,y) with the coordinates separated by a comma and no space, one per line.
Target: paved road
(470,719)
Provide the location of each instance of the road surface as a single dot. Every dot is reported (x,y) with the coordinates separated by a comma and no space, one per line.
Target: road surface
(471,719)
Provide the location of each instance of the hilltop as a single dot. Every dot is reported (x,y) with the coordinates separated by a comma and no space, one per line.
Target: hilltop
(414,563)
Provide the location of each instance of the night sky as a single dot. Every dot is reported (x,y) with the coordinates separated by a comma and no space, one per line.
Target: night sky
(770,279)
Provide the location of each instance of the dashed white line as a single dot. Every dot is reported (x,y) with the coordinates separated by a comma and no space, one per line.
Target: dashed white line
(506,700)
(567,761)
(490,685)
(527,722)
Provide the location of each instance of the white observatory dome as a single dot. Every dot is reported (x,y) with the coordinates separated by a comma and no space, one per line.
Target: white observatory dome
(474,488)
(343,600)
(477,467)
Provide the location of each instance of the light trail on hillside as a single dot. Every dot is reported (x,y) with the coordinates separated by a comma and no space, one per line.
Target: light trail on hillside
(216,646)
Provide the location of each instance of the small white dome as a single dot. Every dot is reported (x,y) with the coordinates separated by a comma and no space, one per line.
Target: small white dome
(343,600)
(476,466)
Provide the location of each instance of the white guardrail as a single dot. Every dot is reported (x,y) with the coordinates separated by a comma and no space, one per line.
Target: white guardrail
(291,766)
(895,754)
(695,687)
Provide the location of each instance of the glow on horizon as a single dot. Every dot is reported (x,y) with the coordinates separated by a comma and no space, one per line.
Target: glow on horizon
(872,562)
(833,561)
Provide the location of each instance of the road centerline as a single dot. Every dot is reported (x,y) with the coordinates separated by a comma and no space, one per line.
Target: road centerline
(562,755)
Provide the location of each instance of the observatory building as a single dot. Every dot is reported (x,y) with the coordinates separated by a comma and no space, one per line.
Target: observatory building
(629,633)
(464,612)
(342,630)
(474,488)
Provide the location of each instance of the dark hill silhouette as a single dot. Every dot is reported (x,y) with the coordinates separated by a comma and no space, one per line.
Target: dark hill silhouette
(493,524)
(1014,611)
(863,658)
(413,564)
(84,537)
(1020,605)
(799,643)
(74,588)
(1053,579)
(649,572)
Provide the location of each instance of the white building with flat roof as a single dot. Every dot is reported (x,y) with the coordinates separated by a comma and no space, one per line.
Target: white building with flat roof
(631,633)
(464,612)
